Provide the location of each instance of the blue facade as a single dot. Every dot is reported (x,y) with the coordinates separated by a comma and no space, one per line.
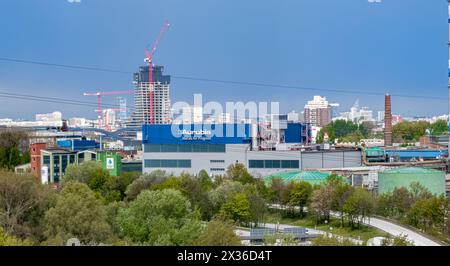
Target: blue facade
(197,134)
(425,154)
(293,133)
(78,145)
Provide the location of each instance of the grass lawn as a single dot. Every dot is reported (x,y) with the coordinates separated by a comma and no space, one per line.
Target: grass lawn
(364,233)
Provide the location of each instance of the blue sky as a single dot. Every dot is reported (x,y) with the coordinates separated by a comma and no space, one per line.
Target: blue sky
(397,46)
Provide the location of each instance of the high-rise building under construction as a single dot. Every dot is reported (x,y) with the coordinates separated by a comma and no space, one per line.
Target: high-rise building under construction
(160,106)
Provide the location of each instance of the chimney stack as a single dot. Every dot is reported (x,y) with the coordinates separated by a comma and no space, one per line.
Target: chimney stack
(387,121)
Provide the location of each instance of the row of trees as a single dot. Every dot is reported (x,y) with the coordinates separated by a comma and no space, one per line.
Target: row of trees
(412,131)
(335,195)
(131,209)
(161,209)
(345,131)
(404,132)
(416,206)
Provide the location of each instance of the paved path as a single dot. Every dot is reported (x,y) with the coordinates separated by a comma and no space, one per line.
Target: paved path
(397,230)
(391,228)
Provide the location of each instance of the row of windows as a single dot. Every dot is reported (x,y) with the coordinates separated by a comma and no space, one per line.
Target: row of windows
(217,169)
(167,163)
(184,148)
(217,161)
(286,164)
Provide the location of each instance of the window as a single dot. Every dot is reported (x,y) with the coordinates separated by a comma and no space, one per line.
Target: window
(80,157)
(286,164)
(64,162)
(213,148)
(71,159)
(46,159)
(217,169)
(256,164)
(167,163)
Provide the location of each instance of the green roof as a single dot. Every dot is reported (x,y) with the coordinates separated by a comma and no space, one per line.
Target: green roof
(375,151)
(313,177)
(410,170)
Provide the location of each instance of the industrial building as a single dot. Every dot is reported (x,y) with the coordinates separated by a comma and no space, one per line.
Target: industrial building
(158,112)
(54,162)
(432,180)
(214,147)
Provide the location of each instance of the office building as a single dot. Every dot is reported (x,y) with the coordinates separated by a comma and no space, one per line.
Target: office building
(54,162)
(159,112)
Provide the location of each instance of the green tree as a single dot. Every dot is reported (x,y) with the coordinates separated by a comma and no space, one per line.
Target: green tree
(439,127)
(358,206)
(276,190)
(340,191)
(410,131)
(339,129)
(10,148)
(77,214)
(238,172)
(237,208)
(258,205)
(332,241)
(21,199)
(300,195)
(159,218)
(205,180)
(218,232)
(224,192)
(144,182)
(399,241)
(321,203)
(6,240)
(429,213)
(395,204)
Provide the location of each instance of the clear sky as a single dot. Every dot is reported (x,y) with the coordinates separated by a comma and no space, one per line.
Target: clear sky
(397,46)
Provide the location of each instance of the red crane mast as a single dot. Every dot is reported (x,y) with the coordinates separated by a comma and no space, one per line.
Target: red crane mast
(149,59)
(99,100)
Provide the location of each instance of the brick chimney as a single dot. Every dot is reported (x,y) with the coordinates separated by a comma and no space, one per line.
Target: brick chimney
(387,121)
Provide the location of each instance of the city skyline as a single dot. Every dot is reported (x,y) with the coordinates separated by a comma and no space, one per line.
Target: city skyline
(294,48)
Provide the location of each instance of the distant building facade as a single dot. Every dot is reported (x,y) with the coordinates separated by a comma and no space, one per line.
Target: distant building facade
(318,112)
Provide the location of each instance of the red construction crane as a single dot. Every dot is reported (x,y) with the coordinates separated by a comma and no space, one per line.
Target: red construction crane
(149,59)
(99,100)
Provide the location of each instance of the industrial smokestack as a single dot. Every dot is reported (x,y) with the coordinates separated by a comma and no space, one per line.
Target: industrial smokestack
(387,121)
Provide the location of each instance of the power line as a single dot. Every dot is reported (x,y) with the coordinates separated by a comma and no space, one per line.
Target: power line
(256,84)
(53,100)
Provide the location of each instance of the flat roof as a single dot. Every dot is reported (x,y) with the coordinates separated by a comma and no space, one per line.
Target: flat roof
(59,151)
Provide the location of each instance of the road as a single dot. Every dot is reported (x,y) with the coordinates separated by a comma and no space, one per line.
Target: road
(391,228)
(397,230)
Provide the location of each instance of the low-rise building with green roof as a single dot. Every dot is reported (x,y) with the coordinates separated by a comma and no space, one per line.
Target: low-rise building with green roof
(312,177)
(432,180)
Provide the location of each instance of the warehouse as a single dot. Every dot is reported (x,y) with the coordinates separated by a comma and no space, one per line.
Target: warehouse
(195,147)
